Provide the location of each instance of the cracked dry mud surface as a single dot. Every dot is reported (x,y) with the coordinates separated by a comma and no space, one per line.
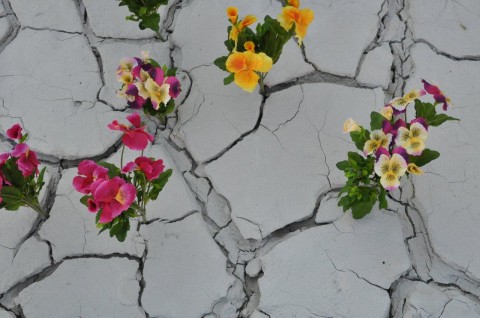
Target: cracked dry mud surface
(248,224)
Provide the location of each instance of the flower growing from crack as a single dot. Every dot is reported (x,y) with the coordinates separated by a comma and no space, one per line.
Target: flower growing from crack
(151,168)
(438,95)
(413,138)
(350,125)
(390,168)
(245,66)
(88,172)
(400,103)
(291,15)
(134,137)
(27,161)
(112,196)
(378,139)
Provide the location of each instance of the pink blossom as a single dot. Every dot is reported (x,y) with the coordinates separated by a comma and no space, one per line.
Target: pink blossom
(15,132)
(438,95)
(174,90)
(150,167)
(27,159)
(135,137)
(113,196)
(88,172)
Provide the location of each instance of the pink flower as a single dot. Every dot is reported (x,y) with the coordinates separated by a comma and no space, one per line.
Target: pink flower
(15,132)
(135,137)
(174,89)
(88,172)
(438,95)
(27,160)
(150,167)
(113,196)
(3,159)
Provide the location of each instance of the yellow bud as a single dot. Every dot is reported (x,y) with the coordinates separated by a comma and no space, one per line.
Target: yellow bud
(350,125)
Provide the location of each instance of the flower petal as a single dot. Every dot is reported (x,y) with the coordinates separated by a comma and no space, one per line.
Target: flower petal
(247,80)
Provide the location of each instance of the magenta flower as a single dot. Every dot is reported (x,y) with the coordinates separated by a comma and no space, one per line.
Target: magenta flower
(27,160)
(113,196)
(438,95)
(174,90)
(88,172)
(15,132)
(388,128)
(151,168)
(135,137)
(3,159)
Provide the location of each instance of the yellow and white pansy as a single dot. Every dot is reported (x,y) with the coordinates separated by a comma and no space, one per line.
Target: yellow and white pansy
(413,138)
(390,168)
(401,103)
(414,169)
(158,93)
(350,125)
(378,139)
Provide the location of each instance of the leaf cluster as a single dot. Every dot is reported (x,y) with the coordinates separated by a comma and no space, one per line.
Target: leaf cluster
(145,12)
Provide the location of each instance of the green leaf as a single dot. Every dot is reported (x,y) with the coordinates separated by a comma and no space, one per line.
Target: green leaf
(40,182)
(12,197)
(360,138)
(170,106)
(376,120)
(12,174)
(362,208)
(84,199)
(382,199)
(159,184)
(221,63)
(171,72)
(425,110)
(343,165)
(113,170)
(97,217)
(426,156)
(440,119)
(229,79)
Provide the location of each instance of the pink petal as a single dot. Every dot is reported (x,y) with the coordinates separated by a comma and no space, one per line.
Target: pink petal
(135,120)
(19,150)
(129,167)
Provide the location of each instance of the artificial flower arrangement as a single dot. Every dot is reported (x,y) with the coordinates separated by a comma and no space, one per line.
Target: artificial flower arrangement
(20,179)
(392,148)
(252,54)
(145,12)
(117,194)
(147,85)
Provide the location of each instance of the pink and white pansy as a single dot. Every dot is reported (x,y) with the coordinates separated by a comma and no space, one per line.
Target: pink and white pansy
(378,139)
(413,138)
(390,168)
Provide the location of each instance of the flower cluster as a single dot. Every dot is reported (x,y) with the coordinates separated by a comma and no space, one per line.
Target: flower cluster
(394,147)
(117,194)
(252,54)
(20,179)
(147,85)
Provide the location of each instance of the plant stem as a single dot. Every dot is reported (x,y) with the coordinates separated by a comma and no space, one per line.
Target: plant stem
(262,84)
(159,35)
(121,157)
(34,205)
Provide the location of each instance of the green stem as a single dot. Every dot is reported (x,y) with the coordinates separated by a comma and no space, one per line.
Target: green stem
(262,84)
(121,157)
(159,35)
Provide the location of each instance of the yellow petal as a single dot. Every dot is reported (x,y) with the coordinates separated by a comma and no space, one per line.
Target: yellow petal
(253,61)
(247,80)
(236,62)
(288,17)
(266,63)
(390,181)
(294,3)
(387,112)
(232,14)
(248,20)
(414,169)
(398,165)
(382,165)
(412,95)
(370,146)
(249,46)
(350,125)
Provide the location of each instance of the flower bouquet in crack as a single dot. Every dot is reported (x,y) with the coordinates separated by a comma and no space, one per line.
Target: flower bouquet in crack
(20,179)
(117,194)
(147,85)
(392,148)
(145,12)
(252,53)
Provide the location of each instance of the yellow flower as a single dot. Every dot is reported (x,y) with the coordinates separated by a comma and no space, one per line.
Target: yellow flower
(387,112)
(300,17)
(249,46)
(245,66)
(238,27)
(350,125)
(232,13)
(378,139)
(294,3)
(413,139)
(158,94)
(125,77)
(414,169)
